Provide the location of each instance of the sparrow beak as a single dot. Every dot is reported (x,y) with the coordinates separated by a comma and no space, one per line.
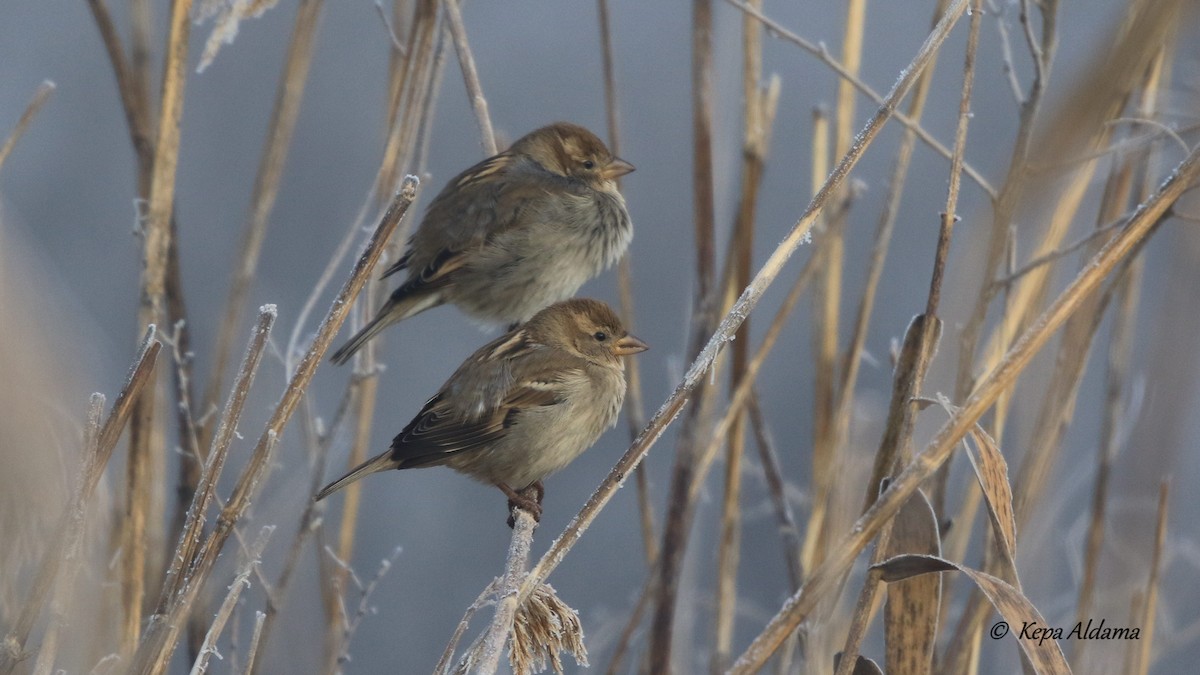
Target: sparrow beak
(616,168)
(629,345)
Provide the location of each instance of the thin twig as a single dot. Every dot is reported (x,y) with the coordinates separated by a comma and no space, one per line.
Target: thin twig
(486,597)
(818,50)
(240,582)
(1159,552)
(466,62)
(255,642)
(35,104)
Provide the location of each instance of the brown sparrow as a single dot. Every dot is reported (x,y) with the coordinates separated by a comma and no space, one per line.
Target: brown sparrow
(517,232)
(521,407)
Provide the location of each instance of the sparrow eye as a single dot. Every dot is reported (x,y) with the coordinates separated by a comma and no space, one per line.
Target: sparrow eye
(600,336)
(589,164)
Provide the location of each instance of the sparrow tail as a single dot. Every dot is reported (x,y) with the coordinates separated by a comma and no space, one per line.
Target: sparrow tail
(348,350)
(392,311)
(382,462)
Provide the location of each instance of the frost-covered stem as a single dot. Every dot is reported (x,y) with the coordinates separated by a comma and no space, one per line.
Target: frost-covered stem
(985,394)
(748,300)
(466,61)
(351,624)
(192,533)
(240,582)
(508,593)
(255,642)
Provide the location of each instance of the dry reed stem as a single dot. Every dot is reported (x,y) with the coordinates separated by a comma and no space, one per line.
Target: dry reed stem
(60,601)
(789,533)
(466,62)
(310,521)
(748,300)
(136,114)
(1054,413)
(819,170)
(631,625)
(255,643)
(286,109)
(507,594)
(865,607)
(352,622)
(1147,617)
(410,92)
(950,215)
(895,450)
(141,31)
(47,571)
(759,105)
(147,438)
(35,104)
(852,358)
(635,407)
(192,533)
(1120,350)
(1005,204)
(674,535)
(986,393)
(826,441)
(241,581)
(818,50)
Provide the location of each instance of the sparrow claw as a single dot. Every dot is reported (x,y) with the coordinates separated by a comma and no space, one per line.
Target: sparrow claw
(521,500)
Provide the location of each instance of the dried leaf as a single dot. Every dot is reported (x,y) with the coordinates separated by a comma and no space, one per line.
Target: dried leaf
(1021,619)
(913,604)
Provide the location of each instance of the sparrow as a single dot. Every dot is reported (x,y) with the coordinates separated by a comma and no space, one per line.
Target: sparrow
(515,233)
(521,407)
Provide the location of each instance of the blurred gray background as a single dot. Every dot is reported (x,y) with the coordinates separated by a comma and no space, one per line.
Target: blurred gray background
(68,193)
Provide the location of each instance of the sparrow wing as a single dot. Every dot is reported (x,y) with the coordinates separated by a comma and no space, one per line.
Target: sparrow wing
(481,201)
(484,398)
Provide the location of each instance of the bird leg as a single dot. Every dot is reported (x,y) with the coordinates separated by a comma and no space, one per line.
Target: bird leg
(523,501)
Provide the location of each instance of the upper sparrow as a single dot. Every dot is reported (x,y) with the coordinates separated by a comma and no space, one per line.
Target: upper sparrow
(522,406)
(514,233)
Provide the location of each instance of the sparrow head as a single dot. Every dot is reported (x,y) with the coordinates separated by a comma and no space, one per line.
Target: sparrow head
(572,151)
(587,328)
